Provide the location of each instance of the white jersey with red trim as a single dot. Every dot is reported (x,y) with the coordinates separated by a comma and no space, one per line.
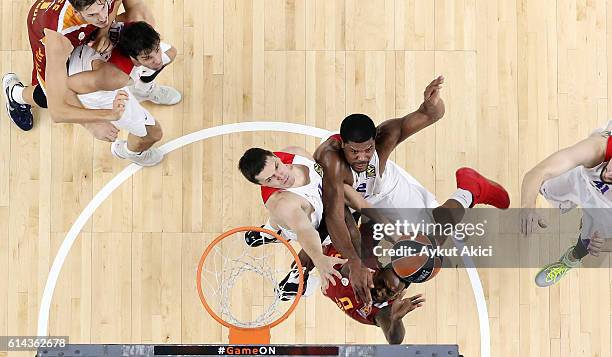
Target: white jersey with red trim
(311,192)
(584,187)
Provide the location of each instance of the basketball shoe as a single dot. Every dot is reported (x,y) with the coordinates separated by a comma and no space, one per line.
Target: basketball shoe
(553,272)
(484,191)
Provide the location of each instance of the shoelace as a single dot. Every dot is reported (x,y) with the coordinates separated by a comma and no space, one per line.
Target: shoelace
(159,92)
(555,272)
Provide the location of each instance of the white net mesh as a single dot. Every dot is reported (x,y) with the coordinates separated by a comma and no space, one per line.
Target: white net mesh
(249,286)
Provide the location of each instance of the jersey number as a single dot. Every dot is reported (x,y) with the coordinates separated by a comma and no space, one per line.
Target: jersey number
(345,303)
(361,188)
(601,186)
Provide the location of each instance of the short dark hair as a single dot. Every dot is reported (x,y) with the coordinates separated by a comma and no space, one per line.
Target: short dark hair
(252,163)
(80,5)
(357,128)
(138,38)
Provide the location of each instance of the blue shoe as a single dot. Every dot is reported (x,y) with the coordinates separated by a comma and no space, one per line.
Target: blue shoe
(21,114)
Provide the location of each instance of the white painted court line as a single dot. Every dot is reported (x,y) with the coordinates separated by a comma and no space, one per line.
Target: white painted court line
(102,195)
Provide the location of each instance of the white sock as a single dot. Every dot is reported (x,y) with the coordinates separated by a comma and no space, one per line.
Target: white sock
(464,197)
(130,151)
(17,94)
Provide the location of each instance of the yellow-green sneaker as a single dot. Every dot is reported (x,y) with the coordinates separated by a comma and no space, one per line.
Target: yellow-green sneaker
(553,272)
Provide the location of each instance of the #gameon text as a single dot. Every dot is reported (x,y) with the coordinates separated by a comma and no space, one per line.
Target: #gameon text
(404,251)
(263,350)
(459,231)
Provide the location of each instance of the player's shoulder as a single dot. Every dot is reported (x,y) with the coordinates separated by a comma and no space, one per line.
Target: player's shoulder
(283,201)
(329,153)
(599,142)
(296,150)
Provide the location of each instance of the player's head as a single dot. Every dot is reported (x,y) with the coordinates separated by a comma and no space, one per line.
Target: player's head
(387,285)
(262,167)
(141,43)
(358,133)
(94,12)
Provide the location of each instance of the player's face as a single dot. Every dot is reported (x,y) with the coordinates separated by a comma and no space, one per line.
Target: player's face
(606,174)
(387,286)
(275,174)
(96,14)
(152,60)
(359,154)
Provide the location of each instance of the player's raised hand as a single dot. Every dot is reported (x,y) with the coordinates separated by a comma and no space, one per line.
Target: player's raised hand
(433,105)
(404,304)
(361,280)
(119,104)
(528,220)
(325,266)
(595,244)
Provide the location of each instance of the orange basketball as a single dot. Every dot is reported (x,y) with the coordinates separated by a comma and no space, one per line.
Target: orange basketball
(418,262)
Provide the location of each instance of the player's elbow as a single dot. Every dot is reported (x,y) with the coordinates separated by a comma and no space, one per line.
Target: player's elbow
(171,53)
(539,174)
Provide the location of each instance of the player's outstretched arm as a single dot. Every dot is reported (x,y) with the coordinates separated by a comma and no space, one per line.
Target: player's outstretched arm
(333,206)
(58,48)
(392,132)
(390,317)
(289,212)
(589,152)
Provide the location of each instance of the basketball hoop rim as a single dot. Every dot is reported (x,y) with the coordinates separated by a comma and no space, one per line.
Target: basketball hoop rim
(209,249)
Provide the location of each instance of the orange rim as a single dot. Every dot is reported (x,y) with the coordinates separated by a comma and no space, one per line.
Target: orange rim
(219,239)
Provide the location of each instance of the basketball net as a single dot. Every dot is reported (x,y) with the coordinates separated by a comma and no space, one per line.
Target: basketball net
(220,269)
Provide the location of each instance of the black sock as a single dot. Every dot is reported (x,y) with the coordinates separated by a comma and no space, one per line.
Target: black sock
(580,251)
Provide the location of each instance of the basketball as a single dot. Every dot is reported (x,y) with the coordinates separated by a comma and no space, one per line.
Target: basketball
(419,262)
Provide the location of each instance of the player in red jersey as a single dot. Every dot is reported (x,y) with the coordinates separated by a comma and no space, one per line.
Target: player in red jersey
(390,301)
(80,21)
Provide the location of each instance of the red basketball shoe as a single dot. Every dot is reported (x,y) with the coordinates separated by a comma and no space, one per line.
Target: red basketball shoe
(484,191)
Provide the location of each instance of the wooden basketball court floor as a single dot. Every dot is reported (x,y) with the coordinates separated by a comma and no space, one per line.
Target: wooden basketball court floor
(523,79)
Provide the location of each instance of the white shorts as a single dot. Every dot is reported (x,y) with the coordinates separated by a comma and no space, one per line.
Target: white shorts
(570,190)
(407,193)
(134,119)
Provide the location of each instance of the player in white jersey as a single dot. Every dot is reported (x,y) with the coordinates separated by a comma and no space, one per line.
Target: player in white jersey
(576,176)
(291,186)
(359,157)
(86,68)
